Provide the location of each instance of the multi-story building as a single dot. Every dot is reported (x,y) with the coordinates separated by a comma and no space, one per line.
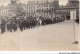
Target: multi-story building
(65,11)
(46,9)
(75,5)
(43,9)
(15,8)
(4,11)
(31,8)
(14,1)
(62,12)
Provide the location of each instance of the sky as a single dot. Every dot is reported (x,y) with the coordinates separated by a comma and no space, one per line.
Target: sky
(5,2)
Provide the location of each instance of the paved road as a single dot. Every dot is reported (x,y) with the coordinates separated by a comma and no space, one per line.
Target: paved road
(55,37)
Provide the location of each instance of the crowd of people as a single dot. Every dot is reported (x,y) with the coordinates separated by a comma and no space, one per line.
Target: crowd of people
(28,23)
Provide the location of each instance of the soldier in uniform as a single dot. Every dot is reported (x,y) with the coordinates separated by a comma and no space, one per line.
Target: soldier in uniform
(8,26)
(3,23)
(54,20)
(77,20)
(11,26)
(24,24)
(14,26)
(21,26)
(2,28)
(27,23)
(37,21)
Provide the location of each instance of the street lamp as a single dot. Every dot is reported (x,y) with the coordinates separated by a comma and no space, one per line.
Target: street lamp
(75,42)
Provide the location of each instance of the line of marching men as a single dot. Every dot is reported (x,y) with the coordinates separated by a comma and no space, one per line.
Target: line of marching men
(28,23)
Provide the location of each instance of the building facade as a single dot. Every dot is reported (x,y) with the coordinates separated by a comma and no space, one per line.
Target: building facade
(46,9)
(31,8)
(75,5)
(65,11)
(5,11)
(15,8)
(40,8)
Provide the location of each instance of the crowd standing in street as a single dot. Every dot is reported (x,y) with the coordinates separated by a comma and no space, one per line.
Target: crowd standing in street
(28,23)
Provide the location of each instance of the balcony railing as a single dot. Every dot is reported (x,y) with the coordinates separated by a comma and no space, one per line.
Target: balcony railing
(45,10)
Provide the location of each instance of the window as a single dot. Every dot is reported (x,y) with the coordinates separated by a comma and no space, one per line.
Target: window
(47,1)
(42,5)
(44,12)
(37,6)
(34,11)
(29,11)
(52,5)
(59,11)
(29,7)
(47,5)
(52,8)
(37,2)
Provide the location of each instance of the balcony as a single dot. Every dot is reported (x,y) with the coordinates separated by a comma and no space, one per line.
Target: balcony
(45,10)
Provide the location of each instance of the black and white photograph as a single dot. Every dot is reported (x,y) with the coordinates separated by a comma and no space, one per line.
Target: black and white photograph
(39,25)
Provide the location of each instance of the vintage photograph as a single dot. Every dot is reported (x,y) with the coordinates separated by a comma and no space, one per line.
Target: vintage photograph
(39,25)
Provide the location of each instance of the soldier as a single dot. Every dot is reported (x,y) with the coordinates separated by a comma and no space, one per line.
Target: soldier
(37,21)
(57,20)
(43,21)
(21,26)
(46,21)
(14,26)
(27,23)
(8,26)
(3,23)
(54,20)
(24,24)
(11,27)
(77,20)
(32,23)
(2,28)
(68,17)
